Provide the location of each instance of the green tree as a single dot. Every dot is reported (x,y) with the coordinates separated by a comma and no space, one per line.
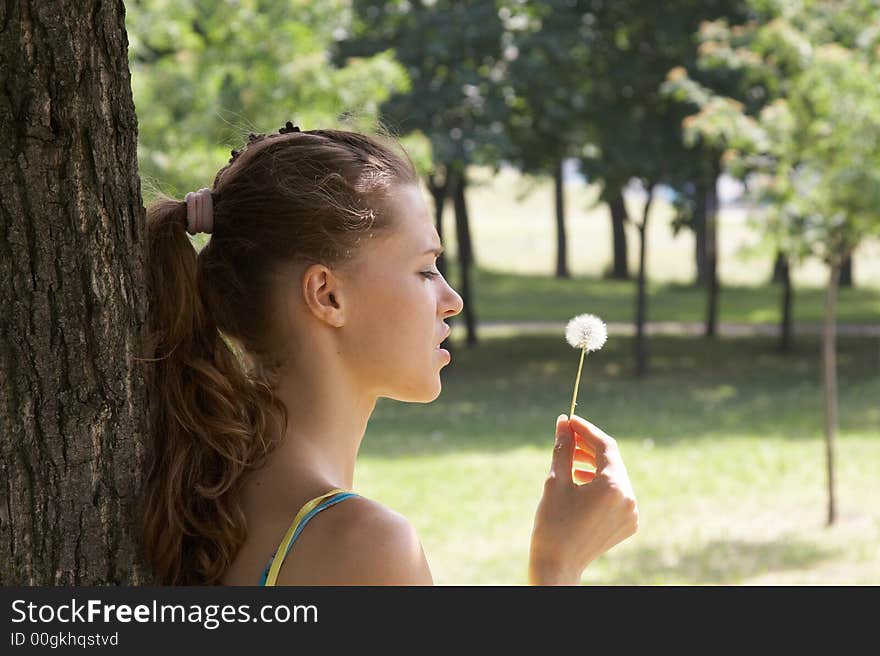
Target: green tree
(204,74)
(638,136)
(814,152)
(545,90)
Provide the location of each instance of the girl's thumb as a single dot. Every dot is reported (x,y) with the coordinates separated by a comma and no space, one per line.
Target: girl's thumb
(563,450)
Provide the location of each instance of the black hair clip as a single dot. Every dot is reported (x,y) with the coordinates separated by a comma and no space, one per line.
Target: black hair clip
(289,127)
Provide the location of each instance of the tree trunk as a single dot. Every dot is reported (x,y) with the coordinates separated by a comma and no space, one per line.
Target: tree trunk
(619,217)
(829,378)
(642,294)
(712,257)
(465,254)
(71,221)
(700,234)
(561,250)
(438,187)
(846,272)
(780,267)
(786,328)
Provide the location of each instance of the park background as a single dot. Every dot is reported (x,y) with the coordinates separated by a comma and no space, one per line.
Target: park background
(548,112)
(734,144)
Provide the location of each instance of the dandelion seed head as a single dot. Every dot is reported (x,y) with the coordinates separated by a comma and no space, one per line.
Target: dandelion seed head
(586,331)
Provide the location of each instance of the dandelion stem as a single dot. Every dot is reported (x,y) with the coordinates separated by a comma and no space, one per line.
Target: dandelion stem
(577,382)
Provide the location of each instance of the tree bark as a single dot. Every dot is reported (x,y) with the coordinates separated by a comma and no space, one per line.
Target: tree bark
(561,249)
(465,254)
(712,257)
(786,328)
(642,294)
(71,219)
(829,378)
(619,217)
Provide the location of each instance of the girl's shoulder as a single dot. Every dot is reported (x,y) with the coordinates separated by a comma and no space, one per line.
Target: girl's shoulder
(357,542)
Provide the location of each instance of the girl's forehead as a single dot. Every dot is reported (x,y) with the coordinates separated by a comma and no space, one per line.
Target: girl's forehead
(413,224)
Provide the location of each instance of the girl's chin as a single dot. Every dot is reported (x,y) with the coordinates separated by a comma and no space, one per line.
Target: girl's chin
(425,392)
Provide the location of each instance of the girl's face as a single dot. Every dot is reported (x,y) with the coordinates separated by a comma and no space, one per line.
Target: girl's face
(400,302)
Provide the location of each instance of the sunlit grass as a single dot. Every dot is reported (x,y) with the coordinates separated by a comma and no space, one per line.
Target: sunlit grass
(723,442)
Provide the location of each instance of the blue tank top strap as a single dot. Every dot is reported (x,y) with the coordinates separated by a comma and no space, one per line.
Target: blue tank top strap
(303,517)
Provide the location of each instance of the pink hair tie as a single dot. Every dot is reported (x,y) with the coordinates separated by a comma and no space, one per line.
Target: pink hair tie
(199,211)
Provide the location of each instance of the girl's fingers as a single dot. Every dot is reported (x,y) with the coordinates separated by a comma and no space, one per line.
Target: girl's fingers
(582,456)
(595,436)
(581,476)
(582,444)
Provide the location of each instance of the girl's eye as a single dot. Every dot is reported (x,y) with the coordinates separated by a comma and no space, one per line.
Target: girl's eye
(430,274)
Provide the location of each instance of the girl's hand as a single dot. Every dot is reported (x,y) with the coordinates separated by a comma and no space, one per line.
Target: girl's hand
(581,514)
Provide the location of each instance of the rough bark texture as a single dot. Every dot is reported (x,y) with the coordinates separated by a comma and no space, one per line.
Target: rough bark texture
(617,206)
(829,379)
(72,298)
(561,248)
(465,254)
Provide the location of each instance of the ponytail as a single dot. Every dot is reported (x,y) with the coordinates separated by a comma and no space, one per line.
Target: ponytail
(212,420)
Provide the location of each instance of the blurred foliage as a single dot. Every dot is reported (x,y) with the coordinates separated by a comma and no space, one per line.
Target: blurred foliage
(785,90)
(451,51)
(206,73)
(631,46)
(546,88)
(811,150)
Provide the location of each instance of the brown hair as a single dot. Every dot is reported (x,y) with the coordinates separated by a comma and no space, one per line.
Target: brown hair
(213,346)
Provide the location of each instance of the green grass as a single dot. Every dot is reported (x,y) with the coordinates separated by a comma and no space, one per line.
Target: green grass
(722,441)
(503,296)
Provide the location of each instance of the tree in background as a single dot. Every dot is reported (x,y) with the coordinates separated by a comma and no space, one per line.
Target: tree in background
(73,401)
(545,90)
(451,52)
(637,129)
(737,91)
(205,74)
(815,156)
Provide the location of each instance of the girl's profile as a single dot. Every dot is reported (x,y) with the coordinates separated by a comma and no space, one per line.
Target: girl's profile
(316,294)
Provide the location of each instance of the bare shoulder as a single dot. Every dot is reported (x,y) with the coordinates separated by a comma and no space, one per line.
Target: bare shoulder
(357,542)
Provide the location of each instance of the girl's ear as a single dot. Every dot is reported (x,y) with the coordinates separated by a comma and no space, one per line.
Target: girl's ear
(322,293)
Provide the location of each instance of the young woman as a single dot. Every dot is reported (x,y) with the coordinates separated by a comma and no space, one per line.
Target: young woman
(315,295)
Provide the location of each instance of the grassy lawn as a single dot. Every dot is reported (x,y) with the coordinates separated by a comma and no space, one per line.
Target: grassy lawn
(511,296)
(723,442)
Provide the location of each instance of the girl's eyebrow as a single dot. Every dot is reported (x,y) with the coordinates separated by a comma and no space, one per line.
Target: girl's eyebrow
(436,251)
